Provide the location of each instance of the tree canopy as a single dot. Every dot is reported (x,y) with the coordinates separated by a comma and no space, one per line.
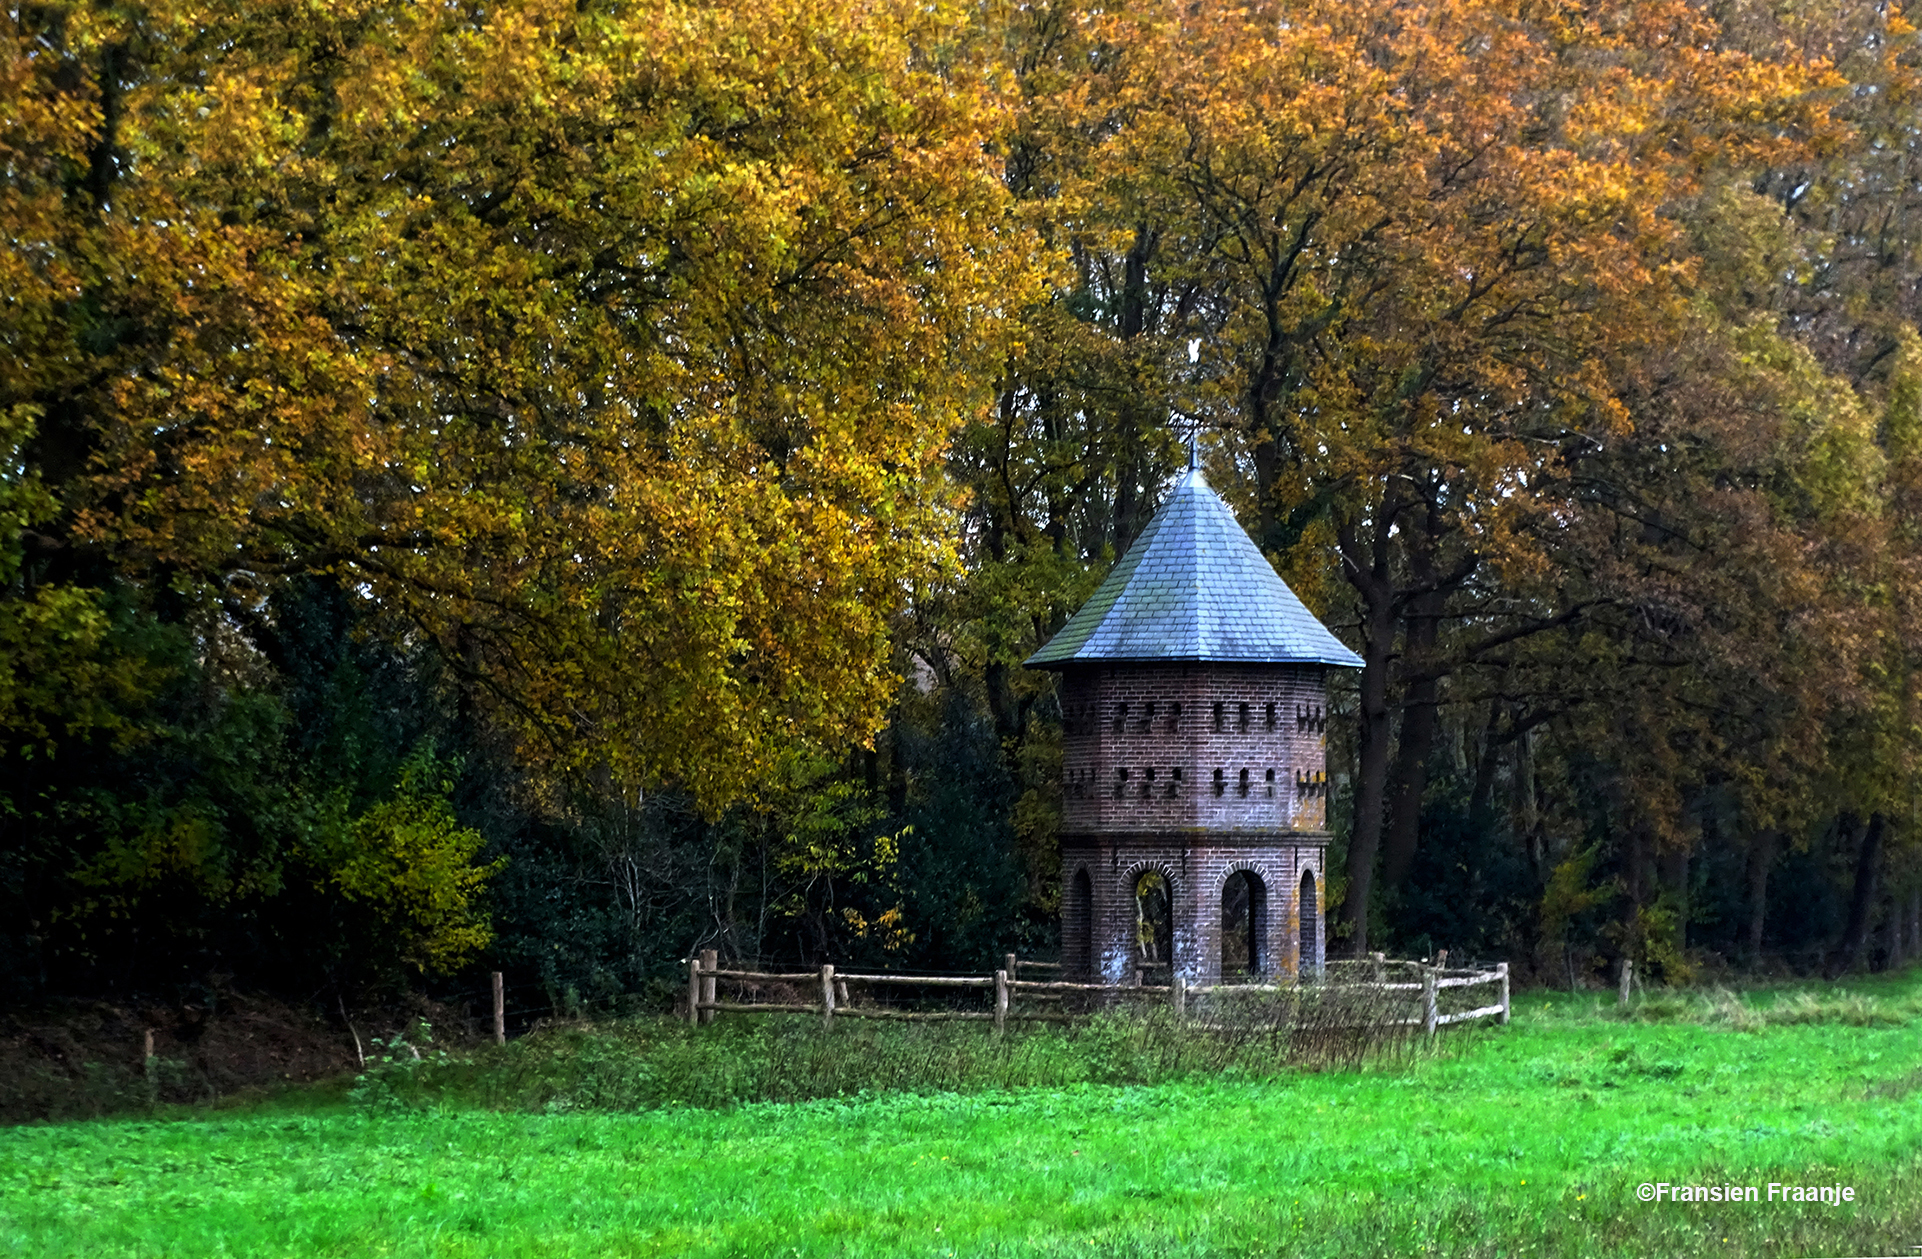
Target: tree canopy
(545,481)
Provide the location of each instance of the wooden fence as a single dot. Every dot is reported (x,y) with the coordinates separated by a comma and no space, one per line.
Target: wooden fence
(834,998)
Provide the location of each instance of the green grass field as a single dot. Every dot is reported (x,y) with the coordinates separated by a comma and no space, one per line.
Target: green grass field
(1520,1141)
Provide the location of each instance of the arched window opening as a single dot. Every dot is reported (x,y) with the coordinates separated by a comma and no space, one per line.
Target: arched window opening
(1148,716)
(1174,717)
(1271,716)
(1120,718)
(1219,782)
(1147,782)
(1244,782)
(1079,920)
(1120,782)
(1244,912)
(1174,782)
(1310,927)
(1154,923)
(1241,718)
(1271,782)
(1220,715)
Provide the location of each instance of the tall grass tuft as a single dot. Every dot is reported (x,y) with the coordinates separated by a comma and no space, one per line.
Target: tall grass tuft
(1722,1007)
(653,1063)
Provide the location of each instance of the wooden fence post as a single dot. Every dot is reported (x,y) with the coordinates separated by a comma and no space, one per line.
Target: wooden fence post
(710,962)
(1001,999)
(1628,977)
(1503,968)
(1180,988)
(1429,1012)
(146,1055)
(827,994)
(694,991)
(500,1010)
(1014,967)
(1381,967)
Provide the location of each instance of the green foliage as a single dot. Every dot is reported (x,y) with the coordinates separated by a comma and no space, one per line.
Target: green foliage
(66,668)
(297,825)
(393,1068)
(409,860)
(1571,892)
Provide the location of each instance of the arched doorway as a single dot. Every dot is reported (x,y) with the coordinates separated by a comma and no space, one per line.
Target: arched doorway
(1079,924)
(1244,914)
(1310,926)
(1154,927)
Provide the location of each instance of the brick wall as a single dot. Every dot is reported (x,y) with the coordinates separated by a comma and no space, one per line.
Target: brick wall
(1156,747)
(1143,745)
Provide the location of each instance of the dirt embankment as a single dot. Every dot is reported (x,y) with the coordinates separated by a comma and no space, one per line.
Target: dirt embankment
(83,1059)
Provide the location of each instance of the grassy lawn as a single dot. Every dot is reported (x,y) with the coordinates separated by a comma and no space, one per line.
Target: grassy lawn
(1525,1140)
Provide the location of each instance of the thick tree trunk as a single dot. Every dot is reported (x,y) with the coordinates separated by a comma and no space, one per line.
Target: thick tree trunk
(1675,876)
(1367,569)
(1481,799)
(1634,863)
(1868,864)
(1371,782)
(1419,714)
(1418,704)
(1761,858)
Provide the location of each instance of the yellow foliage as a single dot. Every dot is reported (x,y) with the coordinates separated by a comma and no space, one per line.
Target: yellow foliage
(614,349)
(413,864)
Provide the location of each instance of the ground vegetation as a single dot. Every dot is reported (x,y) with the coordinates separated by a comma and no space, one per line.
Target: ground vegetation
(652,1140)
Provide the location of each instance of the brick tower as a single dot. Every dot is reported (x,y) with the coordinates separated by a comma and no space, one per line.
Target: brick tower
(1195,702)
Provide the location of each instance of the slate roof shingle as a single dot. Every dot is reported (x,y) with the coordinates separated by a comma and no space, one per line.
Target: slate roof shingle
(1194,587)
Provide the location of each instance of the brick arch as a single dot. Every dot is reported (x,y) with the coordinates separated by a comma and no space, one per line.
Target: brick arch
(1308,895)
(1244,917)
(1130,926)
(1078,919)
(1166,869)
(1246,866)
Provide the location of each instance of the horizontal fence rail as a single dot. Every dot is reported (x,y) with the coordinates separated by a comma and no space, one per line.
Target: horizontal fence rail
(827,992)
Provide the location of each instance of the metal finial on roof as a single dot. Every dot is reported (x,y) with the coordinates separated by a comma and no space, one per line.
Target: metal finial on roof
(1194,447)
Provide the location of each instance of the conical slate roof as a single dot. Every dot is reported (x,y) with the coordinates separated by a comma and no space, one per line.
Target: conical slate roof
(1194,587)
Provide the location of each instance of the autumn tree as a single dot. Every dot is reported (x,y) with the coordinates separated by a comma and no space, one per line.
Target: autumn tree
(608,355)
